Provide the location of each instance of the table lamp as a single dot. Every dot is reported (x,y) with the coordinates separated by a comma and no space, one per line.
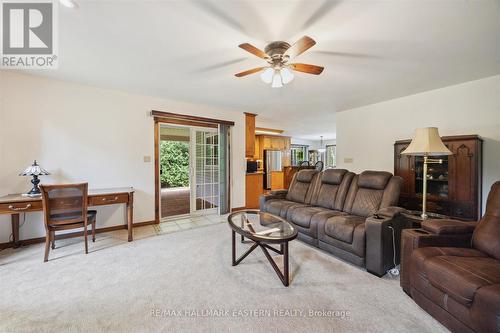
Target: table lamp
(34,170)
(426,143)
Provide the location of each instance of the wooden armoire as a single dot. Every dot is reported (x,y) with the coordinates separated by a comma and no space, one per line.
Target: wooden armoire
(454,187)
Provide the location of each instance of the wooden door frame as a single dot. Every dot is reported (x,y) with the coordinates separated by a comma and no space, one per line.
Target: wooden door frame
(175,119)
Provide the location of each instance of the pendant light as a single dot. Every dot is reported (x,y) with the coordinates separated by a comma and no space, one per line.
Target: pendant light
(321,148)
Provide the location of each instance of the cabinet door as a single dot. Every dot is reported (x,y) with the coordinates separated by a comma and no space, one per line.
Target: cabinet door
(286,158)
(257,155)
(463,170)
(249,135)
(287,152)
(275,143)
(267,142)
(253,190)
(404,168)
(282,144)
(277,180)
(288,143)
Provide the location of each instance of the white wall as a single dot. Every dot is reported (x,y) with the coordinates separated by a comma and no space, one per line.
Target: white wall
(367,134)
(83,133)
(297,141)
(313,144)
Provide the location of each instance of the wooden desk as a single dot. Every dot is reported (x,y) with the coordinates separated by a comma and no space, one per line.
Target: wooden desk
(14,204)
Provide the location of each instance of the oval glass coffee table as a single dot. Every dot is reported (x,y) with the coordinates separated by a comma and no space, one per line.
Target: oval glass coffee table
(263,229)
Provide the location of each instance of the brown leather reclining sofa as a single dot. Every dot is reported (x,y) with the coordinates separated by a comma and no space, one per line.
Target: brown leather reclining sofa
(345,214)
(454,274)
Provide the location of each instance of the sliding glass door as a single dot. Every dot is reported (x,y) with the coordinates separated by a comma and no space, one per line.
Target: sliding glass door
(205,170)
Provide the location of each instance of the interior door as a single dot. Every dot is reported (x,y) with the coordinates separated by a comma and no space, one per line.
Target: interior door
(205,171)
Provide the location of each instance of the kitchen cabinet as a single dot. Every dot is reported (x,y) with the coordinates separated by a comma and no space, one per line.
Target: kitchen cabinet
(273,142)
(258,151)
(249,135)
(253,189)
(277,180)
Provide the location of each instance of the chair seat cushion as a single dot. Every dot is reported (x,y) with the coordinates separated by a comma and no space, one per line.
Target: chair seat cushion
(342,227)
(280,207)
(302,216)
(55,218)
(457,272)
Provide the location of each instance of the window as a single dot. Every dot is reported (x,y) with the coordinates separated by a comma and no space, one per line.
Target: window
(299,154)
(331,156)
(211,157)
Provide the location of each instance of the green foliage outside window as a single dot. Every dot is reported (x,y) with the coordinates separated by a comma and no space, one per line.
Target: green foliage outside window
(174,163)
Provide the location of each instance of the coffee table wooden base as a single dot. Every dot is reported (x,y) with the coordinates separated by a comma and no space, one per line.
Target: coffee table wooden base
(284,276)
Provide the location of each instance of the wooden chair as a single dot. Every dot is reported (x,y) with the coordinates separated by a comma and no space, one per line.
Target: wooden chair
(303,165)
(65,207)
(319,166)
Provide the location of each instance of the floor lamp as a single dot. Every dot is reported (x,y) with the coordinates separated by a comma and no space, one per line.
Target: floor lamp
(426,143)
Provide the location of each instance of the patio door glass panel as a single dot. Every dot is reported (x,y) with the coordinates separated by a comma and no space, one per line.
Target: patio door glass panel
(205,187)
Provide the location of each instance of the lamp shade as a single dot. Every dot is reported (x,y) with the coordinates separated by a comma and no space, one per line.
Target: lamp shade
(426,142)
(34,170)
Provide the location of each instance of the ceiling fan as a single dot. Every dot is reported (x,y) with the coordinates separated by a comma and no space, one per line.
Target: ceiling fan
(279,70)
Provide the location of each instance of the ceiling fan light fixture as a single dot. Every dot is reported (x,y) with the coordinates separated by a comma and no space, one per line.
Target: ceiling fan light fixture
(277,81)
(286,75)
(267,75)
(278,54)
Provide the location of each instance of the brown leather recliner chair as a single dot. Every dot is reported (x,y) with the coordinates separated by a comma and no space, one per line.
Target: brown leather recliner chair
(459,286)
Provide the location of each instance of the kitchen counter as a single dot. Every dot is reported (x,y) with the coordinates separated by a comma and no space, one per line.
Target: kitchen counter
(255,173)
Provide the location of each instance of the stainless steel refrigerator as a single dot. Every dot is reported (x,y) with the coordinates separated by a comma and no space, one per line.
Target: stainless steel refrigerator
(272,162)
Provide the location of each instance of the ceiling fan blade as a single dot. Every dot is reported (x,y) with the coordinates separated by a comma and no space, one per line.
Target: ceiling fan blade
(253,50)
(302,45)
(305,68)
(250,71)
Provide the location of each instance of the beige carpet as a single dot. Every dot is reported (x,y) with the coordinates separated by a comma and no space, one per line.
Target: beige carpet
(184,282)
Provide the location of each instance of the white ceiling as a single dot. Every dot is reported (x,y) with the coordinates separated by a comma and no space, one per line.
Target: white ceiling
(372,51)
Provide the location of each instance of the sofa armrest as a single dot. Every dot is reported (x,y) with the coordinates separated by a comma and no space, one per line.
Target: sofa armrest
(383,235)
(449,227)
(279,194)
(389,212)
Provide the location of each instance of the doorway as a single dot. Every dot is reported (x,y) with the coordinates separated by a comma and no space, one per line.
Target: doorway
(174,171)
(189,171)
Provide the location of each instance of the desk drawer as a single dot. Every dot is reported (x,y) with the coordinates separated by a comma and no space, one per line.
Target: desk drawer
(108,199)
(20,207)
